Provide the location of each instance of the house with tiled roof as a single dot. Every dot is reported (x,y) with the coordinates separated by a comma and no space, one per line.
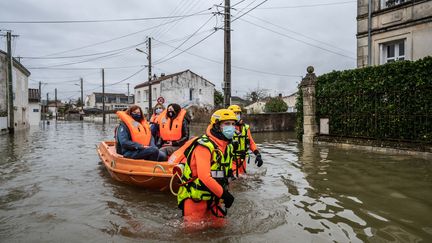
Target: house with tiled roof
(34,109)
(185,88)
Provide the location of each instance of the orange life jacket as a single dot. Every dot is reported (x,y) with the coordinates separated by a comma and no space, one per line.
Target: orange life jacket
(154,118)
(140,132)
(171,130)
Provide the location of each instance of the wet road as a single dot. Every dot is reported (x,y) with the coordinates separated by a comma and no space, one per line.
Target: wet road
(53,188)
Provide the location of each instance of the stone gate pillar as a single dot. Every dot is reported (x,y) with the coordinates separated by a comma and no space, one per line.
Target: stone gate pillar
(307,86)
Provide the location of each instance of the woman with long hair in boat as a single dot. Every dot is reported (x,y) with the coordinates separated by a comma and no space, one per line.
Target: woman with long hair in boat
(133,136)
(173,128)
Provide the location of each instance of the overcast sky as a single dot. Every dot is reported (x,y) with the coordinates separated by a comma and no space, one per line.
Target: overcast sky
(271,45)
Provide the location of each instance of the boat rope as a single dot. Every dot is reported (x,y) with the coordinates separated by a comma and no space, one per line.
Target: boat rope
(159,166)
(137,181)
(171,183)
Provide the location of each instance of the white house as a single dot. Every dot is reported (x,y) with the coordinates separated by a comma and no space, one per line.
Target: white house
(20,95)
(259,106)
(184,88)
(291,101)
(113,101)
(34,108)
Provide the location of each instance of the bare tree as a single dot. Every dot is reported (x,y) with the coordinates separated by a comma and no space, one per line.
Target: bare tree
(256,95)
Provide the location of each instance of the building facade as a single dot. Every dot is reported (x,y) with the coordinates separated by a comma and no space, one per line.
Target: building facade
(34,108)
(184,88)
(20,95)
(113,101)
(393,30)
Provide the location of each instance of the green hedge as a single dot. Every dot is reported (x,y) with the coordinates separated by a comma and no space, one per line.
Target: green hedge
(386,102)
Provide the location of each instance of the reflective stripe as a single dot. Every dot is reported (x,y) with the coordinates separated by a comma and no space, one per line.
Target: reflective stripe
(217,174)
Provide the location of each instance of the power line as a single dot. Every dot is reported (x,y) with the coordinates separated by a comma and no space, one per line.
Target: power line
(304,42)
(214,31)
(142,69)
(238,67)
(95,21)
(120,37)
(205,23)
(82,61)
(85,55)
(298,33)
(88,68)
(307,6)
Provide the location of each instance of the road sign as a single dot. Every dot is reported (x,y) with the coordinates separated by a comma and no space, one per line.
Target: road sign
(161,100)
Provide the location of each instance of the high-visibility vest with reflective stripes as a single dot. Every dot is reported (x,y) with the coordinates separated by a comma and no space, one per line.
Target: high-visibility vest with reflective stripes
(220,168)
(171,130)
(139,131)
(243,141)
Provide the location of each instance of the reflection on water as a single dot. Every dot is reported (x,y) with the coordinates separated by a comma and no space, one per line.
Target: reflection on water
(53,187)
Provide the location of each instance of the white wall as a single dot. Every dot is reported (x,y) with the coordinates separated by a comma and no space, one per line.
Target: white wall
(34,116)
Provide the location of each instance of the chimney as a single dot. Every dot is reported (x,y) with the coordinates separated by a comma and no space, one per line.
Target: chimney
(280,95)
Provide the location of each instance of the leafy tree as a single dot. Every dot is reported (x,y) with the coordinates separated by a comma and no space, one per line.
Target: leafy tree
(276,104)
(218,98)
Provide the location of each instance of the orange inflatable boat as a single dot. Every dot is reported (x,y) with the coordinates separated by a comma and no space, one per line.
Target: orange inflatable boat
(144,173)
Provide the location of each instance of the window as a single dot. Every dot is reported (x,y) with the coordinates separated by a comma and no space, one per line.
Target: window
(145,95)
(391,3)
(200,91)
(154,94)
(393,51)
(138,95)
(190,94)
(35,110)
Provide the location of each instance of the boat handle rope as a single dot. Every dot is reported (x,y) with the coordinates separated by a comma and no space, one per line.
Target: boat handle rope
(171,183)
(137,181)
(160,167)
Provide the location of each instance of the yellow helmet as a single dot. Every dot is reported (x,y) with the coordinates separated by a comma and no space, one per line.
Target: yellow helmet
(222,115)
(235,108)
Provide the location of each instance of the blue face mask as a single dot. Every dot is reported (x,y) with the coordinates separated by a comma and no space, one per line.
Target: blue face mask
(228,131)
(136,117)
(238,117)
(158,110)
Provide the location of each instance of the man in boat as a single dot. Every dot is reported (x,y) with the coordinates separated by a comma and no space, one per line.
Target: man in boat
(173,128)
(245,142)
(206,171)
(133,136)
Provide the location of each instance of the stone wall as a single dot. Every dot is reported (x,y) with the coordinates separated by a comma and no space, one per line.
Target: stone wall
(271,122)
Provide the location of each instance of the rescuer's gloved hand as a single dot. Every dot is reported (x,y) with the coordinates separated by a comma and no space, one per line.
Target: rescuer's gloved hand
(235,145)
(258,160)
(227,198)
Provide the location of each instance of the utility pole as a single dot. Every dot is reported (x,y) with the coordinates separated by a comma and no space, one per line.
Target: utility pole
(82,98)
(47,105)
(40,99)
(227,55)
(10,90)
(149,78)
(103,96)
(55,98)
(128,94)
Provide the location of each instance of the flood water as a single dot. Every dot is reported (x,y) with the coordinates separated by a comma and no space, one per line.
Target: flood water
(53,188)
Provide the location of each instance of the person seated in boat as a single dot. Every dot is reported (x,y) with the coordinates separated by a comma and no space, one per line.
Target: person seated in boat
(173,129)
(243,138)
(157,110)
(206,171)
(133,136)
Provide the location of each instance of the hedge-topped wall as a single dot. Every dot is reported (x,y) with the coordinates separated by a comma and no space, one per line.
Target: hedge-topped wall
(387,102)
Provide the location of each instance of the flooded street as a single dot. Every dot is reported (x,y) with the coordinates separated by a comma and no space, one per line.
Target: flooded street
(53,188)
